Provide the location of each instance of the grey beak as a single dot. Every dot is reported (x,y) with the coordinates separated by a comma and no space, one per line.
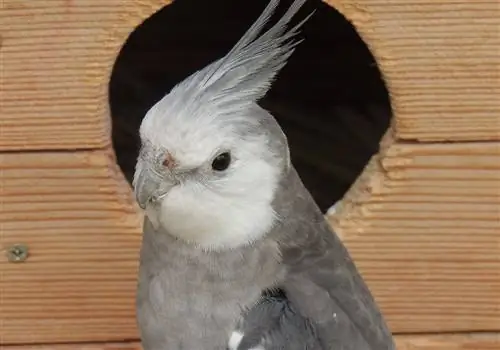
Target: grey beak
(146,186)
(150,187)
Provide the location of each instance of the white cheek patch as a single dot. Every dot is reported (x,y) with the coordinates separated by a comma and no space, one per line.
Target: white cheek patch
(235,340)
(236,214)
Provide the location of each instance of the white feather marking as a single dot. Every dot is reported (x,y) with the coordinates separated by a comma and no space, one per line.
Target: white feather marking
(235,340)
(226,212)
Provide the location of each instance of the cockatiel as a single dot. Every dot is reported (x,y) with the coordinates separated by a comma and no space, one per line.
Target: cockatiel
(235,253)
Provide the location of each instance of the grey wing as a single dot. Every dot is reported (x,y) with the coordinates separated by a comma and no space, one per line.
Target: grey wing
(325,286)
(275,324)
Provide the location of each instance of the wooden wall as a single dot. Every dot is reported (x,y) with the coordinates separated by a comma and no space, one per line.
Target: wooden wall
(62,193)
(428,204)
(416,342)
(440,62)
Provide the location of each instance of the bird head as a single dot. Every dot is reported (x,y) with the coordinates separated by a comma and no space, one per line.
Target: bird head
(211,158)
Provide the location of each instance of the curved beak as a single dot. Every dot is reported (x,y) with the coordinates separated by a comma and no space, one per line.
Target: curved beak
(146,185)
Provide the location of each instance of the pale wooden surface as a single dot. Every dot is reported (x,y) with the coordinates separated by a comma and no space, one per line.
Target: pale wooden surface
(439,58)
(424,232)
(417,342)
(98,346)
(449,342)
(423,225)
(424,229)
(76,213)
(56,61)
(441,63)
(105,346)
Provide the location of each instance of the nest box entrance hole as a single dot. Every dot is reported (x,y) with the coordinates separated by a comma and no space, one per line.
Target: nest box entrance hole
(330,99)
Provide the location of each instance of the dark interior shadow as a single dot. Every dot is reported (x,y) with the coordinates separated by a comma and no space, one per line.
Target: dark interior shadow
(330,99)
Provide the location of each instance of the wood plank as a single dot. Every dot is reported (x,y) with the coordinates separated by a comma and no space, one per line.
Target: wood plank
(423,225)
(449,342)
(440,62)
(420,223)
(95,346)
(407,342)
(438,59)
(76,214)
(56,63)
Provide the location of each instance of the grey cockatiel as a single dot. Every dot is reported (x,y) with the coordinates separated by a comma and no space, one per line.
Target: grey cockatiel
(235,252)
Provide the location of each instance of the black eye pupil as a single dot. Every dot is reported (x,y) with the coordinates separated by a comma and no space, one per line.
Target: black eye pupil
(221,162)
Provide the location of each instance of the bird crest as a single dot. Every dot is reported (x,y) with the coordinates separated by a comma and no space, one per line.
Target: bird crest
(243,75)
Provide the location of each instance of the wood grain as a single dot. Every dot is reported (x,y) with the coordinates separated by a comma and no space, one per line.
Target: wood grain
(423,225)
(408,342)
(56,61)
(449,342)
(102,346)
(76,214)
(440,60)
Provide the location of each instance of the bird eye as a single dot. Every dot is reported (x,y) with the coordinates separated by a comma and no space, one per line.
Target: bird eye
(221,162)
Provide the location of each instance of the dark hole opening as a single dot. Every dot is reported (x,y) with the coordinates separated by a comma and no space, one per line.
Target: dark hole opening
(330,99)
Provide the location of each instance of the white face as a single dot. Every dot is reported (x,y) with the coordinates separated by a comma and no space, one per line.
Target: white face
(211,205)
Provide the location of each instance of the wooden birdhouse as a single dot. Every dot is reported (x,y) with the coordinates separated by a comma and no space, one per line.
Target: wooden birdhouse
(422,220)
